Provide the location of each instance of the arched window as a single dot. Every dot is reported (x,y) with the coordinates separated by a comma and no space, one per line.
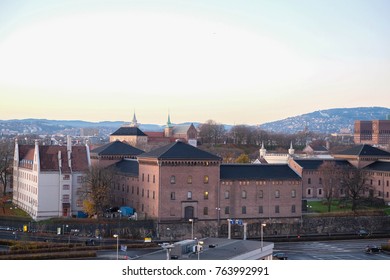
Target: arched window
(173,179)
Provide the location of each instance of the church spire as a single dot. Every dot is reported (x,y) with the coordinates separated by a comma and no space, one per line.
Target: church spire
(134,122)
(169,124)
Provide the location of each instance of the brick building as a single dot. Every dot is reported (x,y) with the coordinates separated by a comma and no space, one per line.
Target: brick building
(373,132)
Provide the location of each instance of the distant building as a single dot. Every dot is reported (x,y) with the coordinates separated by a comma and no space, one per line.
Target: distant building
(48,179)
(375,132)
(89,132)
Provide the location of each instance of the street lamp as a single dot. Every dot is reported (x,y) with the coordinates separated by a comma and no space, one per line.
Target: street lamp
(199,248)
(261,234)
(117,245)
(192,228)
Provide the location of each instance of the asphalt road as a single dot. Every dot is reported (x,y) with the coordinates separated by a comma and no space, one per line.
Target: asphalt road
(332,250)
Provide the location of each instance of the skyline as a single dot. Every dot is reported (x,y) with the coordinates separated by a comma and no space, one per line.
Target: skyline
(249,62)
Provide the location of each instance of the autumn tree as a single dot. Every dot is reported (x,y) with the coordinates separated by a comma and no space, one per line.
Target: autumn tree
(331,176)
(98,189)
(354,184)
(6,159)
(243,158)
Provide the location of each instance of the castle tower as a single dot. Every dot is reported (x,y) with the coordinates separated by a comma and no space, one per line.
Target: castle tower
(168,130)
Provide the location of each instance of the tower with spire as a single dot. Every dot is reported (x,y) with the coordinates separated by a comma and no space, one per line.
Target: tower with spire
(168,130)
(134,122)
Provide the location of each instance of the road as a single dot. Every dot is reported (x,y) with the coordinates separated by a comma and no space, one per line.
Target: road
(332,250)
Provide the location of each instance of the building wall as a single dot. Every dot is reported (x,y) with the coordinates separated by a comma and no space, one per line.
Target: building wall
(376,132)
(380,183)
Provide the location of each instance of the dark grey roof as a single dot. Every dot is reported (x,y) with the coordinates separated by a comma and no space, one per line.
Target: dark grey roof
(127,166)
(180,150)
(117,148)
(379,166)
(319,148)
(129,131)
(365,150)
(257,172)
(314,164)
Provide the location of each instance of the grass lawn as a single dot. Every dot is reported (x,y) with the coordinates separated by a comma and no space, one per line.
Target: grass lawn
(320,206)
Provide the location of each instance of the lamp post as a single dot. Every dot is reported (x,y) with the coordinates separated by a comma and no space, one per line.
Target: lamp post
(261,234)
(192,228)
(218,218)
(199,248)
(117,245)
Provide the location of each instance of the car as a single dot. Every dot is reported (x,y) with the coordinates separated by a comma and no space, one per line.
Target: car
(90,242)
(372,249)
(279,256)
(362,233)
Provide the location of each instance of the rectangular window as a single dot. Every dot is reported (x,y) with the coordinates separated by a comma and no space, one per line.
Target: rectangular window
(309,181)
(293,193)
(243,210)
(143,177)
(243,194)
(148,178)
(226,194)
(189,195)
(154,194)
(80,179)
(206,195)
(173,179)
(261,194)
(277,209)
(154,178)
(379,182)
(173,196)
(189,179)
(260,209)
(320,181)
(206,179)
(66,187)
(66,177)
(277,194)
(147,194)
(292,208)
(227,210)
(205,211)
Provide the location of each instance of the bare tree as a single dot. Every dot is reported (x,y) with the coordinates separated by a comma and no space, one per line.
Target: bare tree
(354,184)
(212,132)
(331,178)
(98,189)
(6,159)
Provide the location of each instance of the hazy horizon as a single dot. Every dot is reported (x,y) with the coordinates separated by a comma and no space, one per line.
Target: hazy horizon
(244,62)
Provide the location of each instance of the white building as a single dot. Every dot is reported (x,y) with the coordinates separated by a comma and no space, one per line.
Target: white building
(48,179)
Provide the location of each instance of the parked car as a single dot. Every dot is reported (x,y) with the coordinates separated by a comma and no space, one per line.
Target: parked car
(279,256)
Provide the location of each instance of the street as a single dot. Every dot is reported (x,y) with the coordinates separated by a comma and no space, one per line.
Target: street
(332,250)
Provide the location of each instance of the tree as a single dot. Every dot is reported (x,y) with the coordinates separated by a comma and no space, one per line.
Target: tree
(98,189)
(243,158)
(354,185)
(6,159)
(212,132)
(331,178)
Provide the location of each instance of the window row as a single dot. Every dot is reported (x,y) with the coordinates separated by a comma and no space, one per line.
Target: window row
(189,195)
(260,194)
(189,179)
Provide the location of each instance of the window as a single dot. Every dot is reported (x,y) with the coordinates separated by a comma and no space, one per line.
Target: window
(227,194)
(387,183)
(148,178)
(137,190)
(293,193)
(143,192)
(206,195)
(277,194)
(189,195)
(320,181)
(308,191)
(227,210)
(143,177)
(132,189)
(189,179)
(292,208)
(309,181)
(147,194)
(379,182)
(261,194)
(205,211)
(154,178)
(277,209)
(79,179)
(154,194)
(173,196)
(243,194)
(243,210)
(319,191)
(206,179)
(260,209)
(379,193)
(173,179)
(66,177)
(65,187)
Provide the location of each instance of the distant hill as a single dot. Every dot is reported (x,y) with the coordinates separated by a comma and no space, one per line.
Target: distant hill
(327,121)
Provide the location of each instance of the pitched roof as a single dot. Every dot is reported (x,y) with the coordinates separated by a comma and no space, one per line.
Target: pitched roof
(314,164)
(117,148)
(379,166)
(180,150)
(257,172)
(319,148)
(127,166)
(48,156)
(365,150)
(182,128)
(129,131)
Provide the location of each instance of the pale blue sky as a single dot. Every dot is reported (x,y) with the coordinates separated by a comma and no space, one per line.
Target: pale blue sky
(232,61)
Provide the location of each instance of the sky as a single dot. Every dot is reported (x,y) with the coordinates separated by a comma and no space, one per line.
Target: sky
(235,62)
